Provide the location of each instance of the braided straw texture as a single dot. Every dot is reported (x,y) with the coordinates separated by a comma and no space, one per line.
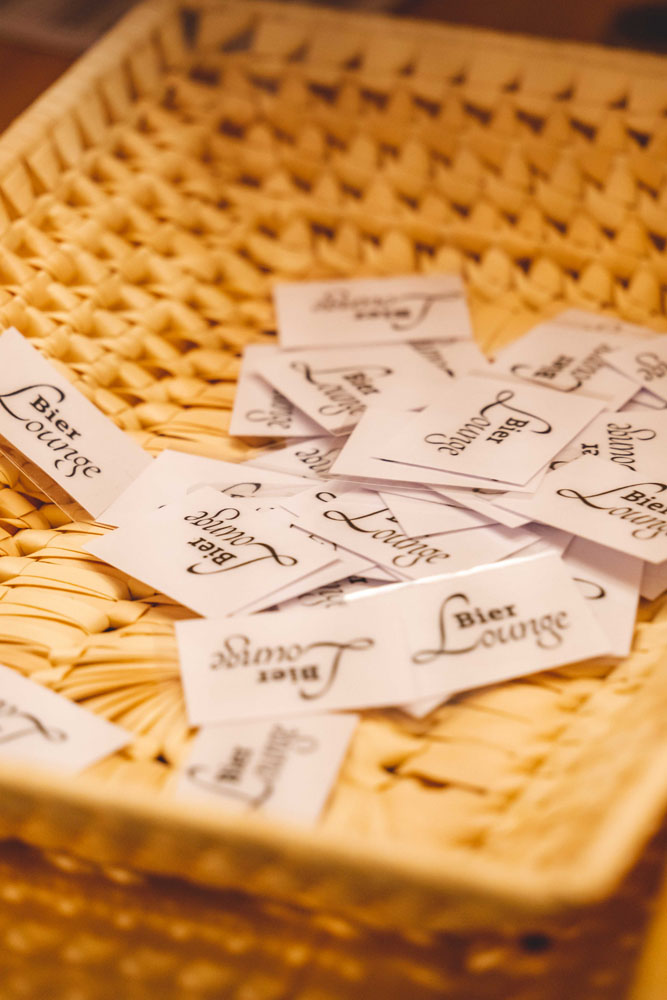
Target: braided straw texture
(147,204)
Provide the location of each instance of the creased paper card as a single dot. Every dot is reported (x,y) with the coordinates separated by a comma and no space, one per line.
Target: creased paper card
(259,410)
(292,663)
(571,359)
(488,625)
(645,363)
(362,522)
(40,727)
(493,428)
(281,767)
(371,310)
(609,580)
(174,473)
(213,554)
(335,386)
(609,505)
(430,517)
(57,437)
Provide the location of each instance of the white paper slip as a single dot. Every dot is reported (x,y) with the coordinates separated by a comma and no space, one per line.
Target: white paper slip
(282,767)
(174,473)
(582,319)
(344,564)
(57,437)
(453,357)
(483,501)
(549,539)
(645,363)
(371,310)
(432,517)
(630,440)
(312,458)
(335,386)
(213,554)
(653,581)
(491,428)
(259,410)
(379,425)
(332,594)
(364,524)
(489,625)
(644,400)
(570,358)
(292,663)
(40,727)
(609,581)
(607,504)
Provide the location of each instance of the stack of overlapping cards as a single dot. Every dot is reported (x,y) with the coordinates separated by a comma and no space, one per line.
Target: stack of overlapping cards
(439,522)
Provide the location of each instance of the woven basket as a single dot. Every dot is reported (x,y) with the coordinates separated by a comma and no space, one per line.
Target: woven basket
(147,204)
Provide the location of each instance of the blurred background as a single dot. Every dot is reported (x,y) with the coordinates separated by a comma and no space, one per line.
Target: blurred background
(40,38)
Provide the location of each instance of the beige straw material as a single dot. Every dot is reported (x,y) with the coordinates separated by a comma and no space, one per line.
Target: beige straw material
(148,203)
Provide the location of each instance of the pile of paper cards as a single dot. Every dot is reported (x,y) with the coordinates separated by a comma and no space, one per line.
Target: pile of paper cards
(439,522)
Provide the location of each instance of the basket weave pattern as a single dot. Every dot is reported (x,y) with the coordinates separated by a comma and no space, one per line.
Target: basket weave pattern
(147,204)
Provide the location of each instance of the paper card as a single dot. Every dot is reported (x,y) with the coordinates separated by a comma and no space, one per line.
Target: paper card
(284,768)
(432,517)
(213,554)
(332,594)
(571,358)
(259,410)
(371,310)
(335,386)
(492,428)
(292,663)
(381,424)
(344,564)
(175,473)
(549,539)
(57,437)
(607,504)
(483,501)
(453,357)
(485,626)
(609,581)
(654,580)
(364,524)
(582,319)
(631,440)
(312,458)
(644,400)
(645,363)
(40,727)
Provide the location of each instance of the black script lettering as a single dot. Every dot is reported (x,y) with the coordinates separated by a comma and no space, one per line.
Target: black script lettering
(403,312)
(455,614)
(413,547)
(25,724)
(651,527)
(59,435)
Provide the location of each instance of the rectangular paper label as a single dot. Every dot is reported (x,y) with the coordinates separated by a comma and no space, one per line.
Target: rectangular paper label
(371,310)
(335,386)
(284,768)
(571,358)
(59,439)
(261,411)
(312,458)
(213,554)
(362,522)
(292,663)
(174,473)
(609,581)
(491,624)
(645,364)
(612,506)
(492,428)
(40,727)
(630,440)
